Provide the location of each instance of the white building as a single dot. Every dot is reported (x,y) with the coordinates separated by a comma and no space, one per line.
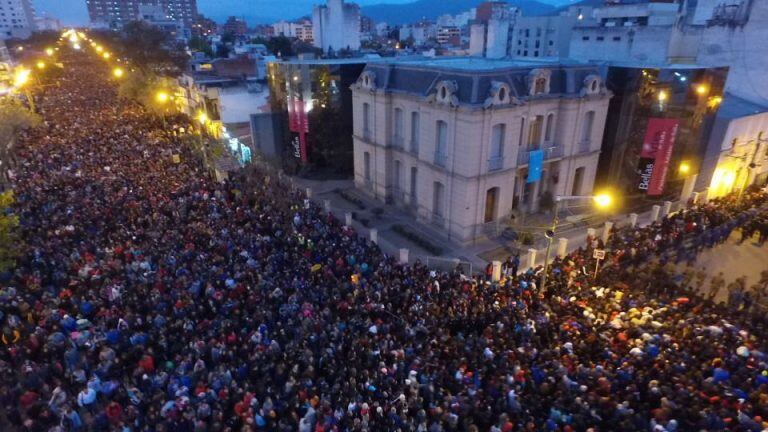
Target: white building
(420,33)
(644,32)
(735,37)
(545,36)
(46,22)
(450,139)
(336,26)
(17,19)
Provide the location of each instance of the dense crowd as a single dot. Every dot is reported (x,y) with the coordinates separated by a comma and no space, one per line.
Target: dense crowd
(150,298)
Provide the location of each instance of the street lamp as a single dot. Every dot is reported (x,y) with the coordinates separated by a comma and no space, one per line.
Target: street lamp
(20,79)
(106,55)
(685,168)
(41,65)
(118,72)
(162,97)
(49,52)
(602,201)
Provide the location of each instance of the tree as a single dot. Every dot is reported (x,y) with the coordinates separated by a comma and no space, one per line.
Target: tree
(14,119)
(201,44)
(151,49)
(9,232)
(143,87)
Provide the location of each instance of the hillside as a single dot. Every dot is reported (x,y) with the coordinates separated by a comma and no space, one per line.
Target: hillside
(431,9)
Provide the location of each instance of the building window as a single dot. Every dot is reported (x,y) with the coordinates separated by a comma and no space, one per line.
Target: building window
(548,128)
(366,121)
(540,86)
(617,38)
(441,143)
(600,38)
(367,166)
(438,201)
(522,131)
(551,43)
(414,182)
(396,182)
(536,53)
(415,132)
(525,53)
(397,139)
(538,43)
(534,132)
(585,38)
(491,204)
(578,179)
(586,132)
(497,146)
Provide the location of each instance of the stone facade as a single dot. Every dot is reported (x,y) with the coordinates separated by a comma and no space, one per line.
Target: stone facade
(450,139)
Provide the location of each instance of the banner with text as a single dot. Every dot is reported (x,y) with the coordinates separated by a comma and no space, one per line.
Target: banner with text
(656,154)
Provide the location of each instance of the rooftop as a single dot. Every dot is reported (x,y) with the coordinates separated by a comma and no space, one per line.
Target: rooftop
(736,107)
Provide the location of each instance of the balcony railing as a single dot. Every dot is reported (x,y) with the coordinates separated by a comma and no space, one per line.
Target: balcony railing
(584,147)
(441,159)
(495,163)
(523,157)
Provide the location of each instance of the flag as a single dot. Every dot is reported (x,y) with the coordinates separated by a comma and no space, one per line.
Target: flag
(535,164)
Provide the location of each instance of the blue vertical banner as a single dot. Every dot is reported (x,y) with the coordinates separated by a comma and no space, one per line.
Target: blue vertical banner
(535,164)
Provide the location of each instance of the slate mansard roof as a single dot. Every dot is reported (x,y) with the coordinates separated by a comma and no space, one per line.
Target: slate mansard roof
(476,78)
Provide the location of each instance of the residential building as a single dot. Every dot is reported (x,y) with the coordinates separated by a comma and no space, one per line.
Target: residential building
(305,32)
(367,27)
(235,26)
(545,36)
(45,22)
(336,26)
(637,32)
(17,19)
(155,15)
(203,26)
(449,35)
(457,141)
(420,32)
(228,94)
(489,31)
(116,13)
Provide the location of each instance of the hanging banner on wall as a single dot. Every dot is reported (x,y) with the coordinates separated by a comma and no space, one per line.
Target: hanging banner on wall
(535,165)
(298,123)
(656,154)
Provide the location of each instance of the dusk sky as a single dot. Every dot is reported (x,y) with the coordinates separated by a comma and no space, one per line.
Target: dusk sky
(73,12)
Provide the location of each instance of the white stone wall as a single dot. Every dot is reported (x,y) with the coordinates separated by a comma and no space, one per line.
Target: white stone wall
(336,25)
(643,44)
(466,176)
(744,51)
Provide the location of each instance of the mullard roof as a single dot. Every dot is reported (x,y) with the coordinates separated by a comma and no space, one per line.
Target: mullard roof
(475,77)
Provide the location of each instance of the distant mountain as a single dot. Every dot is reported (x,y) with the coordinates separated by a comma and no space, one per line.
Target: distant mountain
(431,9)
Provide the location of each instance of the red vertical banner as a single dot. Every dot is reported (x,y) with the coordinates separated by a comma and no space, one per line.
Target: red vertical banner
(656,154)
(297,123)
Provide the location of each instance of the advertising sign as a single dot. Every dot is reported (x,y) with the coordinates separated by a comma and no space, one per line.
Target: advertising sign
(298,123)
(656,154)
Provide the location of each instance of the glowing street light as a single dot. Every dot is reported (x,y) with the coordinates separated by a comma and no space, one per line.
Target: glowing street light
(106,55)
(685,168)
(21,77)
(162,97)
(202,118)
(702,89)
(118,72)
(41,65)
(99,48)
(49,52)
(662,95)
(603,201)
(76,46)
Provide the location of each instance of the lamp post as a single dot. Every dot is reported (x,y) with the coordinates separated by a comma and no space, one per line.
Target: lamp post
(202,118)
(602,201)
(20,80)
(162,98)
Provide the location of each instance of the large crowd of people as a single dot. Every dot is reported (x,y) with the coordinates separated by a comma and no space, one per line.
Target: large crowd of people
(150,298)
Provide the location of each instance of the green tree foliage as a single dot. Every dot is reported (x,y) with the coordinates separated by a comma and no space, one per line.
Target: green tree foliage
(151,49)
(278,45)
(201,44)
(9,232)
(143,87)
(14,119)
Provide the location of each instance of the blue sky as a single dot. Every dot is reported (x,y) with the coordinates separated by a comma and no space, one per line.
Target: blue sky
(73,12)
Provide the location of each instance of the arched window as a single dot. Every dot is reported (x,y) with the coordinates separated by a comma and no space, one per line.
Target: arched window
(398,128)
(548,129)
(586,132)
(415,132)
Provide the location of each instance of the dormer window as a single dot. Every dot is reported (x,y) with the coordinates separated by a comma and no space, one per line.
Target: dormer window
(592,85)
(539,81)
(503,94)
(446,93)
(368,80)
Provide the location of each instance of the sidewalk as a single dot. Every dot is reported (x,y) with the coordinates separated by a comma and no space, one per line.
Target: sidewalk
(371,214)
